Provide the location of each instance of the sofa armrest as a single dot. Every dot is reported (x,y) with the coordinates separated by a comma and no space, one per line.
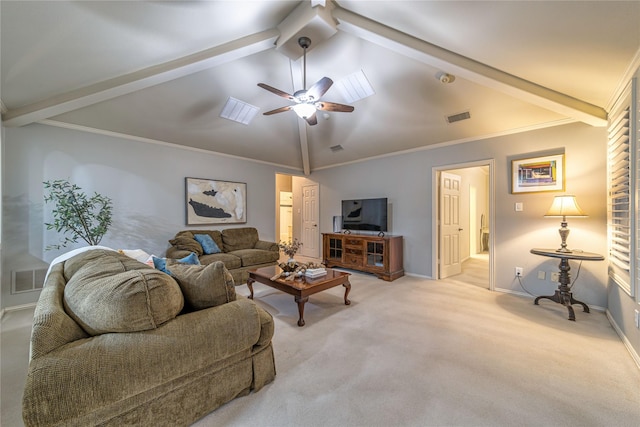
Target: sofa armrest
(267,328)
(267,246)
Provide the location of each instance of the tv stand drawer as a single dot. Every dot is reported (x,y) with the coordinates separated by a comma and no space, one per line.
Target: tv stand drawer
(354,260)
(350,241)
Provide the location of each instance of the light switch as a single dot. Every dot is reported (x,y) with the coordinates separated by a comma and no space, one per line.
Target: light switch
(519,207)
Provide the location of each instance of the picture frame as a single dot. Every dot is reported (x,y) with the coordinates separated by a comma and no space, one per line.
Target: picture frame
(538,174)
(211,201)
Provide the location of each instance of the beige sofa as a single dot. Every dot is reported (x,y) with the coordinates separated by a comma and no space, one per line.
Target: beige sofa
(240,250)
(112,343)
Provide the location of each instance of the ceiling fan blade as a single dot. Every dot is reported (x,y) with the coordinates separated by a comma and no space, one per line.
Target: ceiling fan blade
(319,88)
(277,91)
(277,110)
(334,106)
(312,119)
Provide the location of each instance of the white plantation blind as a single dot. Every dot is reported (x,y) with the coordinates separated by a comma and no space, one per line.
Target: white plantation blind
(620,198)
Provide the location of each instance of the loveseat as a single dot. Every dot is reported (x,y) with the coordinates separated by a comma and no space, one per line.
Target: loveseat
(240,249)
(117,342)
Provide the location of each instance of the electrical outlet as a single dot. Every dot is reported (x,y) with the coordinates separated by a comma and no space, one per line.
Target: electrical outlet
(637,319)
(541,275)
(555,277)
(519,271)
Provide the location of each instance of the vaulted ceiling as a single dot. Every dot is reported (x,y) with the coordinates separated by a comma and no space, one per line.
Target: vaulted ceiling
(162,71)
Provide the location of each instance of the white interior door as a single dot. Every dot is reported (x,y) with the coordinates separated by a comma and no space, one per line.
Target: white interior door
(450,226)
(310,213)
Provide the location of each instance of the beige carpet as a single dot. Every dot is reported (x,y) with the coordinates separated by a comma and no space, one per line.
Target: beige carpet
(417,352)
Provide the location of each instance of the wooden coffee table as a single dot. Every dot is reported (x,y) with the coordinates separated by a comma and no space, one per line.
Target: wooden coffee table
(301,287)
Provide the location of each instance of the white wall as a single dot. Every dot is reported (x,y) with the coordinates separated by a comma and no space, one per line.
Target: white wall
(145,181)
(406,180)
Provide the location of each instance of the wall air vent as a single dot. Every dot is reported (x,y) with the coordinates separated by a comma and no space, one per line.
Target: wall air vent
(457,117)
(336,148)
(27,280)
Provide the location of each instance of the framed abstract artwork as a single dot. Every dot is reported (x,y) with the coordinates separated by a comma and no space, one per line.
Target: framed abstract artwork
(537,174)
(210,202)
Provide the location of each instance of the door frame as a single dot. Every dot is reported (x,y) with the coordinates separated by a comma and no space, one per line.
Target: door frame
(490,163)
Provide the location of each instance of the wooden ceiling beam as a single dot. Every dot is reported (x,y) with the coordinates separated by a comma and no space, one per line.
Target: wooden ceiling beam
(468,69)
(141,79)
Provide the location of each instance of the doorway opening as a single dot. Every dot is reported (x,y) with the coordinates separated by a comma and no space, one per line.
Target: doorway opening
(463,224)
(297,214)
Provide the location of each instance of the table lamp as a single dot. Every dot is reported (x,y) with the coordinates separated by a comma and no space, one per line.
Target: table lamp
(564,206)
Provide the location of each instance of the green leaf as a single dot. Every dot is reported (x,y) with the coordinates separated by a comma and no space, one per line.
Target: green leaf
(75,215)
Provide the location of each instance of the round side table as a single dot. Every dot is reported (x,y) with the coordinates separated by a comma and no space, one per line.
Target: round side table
(563,294)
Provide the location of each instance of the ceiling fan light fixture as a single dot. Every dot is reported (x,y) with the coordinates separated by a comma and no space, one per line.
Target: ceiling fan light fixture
(304,110)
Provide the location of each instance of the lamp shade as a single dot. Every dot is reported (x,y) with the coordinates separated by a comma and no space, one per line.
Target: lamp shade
(564,206)
(304,110)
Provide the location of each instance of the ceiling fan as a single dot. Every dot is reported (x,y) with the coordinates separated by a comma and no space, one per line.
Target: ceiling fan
(307,102)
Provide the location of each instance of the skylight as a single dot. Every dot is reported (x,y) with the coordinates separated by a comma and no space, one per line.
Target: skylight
(355,87)
(238,111)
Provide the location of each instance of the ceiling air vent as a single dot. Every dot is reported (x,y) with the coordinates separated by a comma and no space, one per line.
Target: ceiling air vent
(457,117)
(336,148)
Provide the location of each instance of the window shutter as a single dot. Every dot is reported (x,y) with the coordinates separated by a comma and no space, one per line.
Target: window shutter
(621,199)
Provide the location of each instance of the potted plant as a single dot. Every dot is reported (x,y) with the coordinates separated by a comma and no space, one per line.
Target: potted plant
(76,215)
(290,248)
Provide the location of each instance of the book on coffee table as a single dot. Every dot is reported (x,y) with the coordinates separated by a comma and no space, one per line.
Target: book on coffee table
(315,272)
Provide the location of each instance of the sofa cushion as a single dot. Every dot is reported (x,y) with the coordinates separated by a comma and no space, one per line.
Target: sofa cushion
(124,263)
(209,246)
(230,261)
(185,242)
(250,257)
(239,238)
(104,296)
(203,286)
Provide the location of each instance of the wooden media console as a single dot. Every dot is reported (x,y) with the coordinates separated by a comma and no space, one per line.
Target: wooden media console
(380,255)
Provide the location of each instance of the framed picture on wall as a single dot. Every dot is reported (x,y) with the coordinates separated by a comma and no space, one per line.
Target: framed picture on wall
(210,202)
(537,174)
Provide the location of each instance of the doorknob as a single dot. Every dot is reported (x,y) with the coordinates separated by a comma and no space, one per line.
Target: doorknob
(460,229)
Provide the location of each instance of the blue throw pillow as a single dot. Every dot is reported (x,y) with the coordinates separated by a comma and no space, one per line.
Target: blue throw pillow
(161,263)
(208,245)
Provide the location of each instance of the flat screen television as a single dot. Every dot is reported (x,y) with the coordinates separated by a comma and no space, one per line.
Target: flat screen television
(365,214)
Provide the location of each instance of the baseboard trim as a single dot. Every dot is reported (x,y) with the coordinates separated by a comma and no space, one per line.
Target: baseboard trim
(623,338)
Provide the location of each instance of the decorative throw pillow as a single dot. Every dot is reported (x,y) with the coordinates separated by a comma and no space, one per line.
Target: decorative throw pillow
(209,246)
(161,263)
(203,286)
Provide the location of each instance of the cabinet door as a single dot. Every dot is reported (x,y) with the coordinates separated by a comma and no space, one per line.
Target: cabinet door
(375,254)
(334,249)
